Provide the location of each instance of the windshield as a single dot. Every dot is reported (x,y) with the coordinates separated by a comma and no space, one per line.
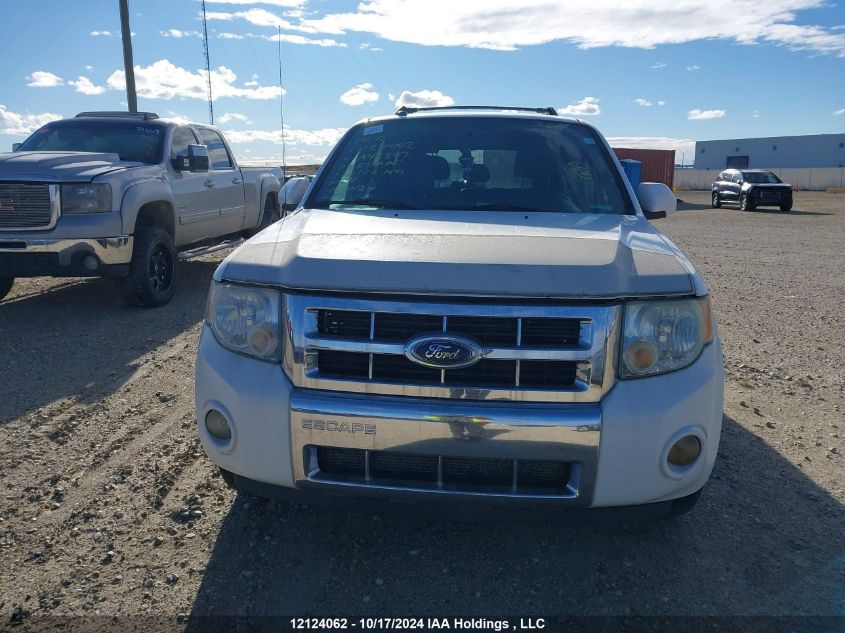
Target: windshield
(141,142)
(761,177)
(480,163)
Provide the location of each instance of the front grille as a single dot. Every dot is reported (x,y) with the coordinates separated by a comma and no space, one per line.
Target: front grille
(25,206)
(399,327)
(392,368)
(540,352)
(439,472)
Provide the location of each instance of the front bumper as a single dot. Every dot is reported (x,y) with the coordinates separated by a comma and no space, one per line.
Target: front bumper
(618,445)
(57,257)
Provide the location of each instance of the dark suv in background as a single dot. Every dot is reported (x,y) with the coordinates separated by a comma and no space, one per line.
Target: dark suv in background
(750,188)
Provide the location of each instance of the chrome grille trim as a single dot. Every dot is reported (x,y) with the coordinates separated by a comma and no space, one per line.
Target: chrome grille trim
(593,354)
(35,206)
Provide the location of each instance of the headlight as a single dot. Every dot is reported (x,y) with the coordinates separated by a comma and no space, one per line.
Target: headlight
(245,319)
(662,336)
(85,198)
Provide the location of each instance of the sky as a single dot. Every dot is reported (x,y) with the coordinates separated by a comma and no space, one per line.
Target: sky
(646,73)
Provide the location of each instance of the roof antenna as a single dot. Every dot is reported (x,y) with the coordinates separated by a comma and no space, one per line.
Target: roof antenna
(281,108)
(207,64)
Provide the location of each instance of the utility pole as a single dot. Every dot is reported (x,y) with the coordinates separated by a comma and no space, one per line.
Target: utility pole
(128,67)
(207,65)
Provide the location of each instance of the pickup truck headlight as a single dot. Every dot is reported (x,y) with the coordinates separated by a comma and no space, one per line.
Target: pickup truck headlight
(85,198)
(662,336)
(245,319)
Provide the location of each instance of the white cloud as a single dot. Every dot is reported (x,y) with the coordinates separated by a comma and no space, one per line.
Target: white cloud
(89,67)
(325,137)
(424,99)
(839,112)
(86,86)
(23,124)
(505,25)
(588,106)
(684,147)
(299,39)
(661,103)
(756,113)
(165,80)
(234,116)
(178,34)
(43,79)
(645,103)
(693,67)
(101,33)
(701,115)
(359,95)
(252,82)
(391,96)
(658,65)
(258,17)
(276,3)
(230,36)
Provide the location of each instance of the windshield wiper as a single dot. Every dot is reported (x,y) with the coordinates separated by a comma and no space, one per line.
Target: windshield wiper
(371,202)
(493,206)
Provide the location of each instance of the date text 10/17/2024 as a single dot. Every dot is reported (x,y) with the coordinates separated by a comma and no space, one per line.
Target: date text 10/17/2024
(418,624)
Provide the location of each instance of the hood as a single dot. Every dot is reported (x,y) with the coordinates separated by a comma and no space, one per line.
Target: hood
(60,166)
(463,253)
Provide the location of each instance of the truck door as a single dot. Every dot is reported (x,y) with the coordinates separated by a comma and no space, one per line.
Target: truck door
(224,183)
(188,191)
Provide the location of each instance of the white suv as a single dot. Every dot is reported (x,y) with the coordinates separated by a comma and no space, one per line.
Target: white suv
(469,305)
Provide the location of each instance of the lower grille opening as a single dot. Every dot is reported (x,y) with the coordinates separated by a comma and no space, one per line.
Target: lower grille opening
(439,473)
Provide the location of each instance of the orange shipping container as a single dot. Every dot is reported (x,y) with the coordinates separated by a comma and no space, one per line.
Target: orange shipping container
(658,164)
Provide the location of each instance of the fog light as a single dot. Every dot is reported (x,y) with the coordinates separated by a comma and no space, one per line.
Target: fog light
(685,451)
(217,425)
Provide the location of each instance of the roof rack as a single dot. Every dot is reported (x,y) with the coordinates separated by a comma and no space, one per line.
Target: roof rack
(146,116)
(406,110)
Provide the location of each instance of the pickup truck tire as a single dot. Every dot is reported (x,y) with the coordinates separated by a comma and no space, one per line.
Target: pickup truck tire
(270,215)
(745,204)
(154,269)
(786,206)
(6,284)
(716,202)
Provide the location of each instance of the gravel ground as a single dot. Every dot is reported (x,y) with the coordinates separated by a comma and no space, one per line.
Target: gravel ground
(110,507)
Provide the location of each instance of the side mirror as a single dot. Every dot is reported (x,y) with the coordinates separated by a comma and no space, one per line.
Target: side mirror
(195,160)
(16,146)
(656,200)
(198,157)
(292,193)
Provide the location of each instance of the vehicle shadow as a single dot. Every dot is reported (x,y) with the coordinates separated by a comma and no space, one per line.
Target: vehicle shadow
(763,540)
(78,339)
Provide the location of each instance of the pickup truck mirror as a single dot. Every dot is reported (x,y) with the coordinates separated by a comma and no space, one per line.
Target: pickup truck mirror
(16,146)
(656,200)
(292,193)
(197,158)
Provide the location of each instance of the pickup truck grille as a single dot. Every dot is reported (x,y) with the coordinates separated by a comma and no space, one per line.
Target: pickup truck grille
(27,206)
(532,352)
(422,472)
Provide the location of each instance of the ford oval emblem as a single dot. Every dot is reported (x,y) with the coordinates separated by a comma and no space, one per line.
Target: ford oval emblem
(443,351)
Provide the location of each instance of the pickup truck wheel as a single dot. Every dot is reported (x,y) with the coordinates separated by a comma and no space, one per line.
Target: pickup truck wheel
(716,203)
(6,284)
(786,206)
(153,271)
(745,204)
(270,215)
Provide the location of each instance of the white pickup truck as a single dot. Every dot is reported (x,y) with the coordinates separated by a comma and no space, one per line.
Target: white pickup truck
(125,195)
(469,305)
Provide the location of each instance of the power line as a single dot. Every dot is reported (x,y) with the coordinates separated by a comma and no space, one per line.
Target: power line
(207,64)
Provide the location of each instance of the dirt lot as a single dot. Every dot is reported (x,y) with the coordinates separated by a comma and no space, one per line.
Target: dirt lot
(109,506)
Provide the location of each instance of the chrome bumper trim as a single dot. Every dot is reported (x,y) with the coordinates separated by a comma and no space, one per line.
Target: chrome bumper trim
(109,250)
(453,429)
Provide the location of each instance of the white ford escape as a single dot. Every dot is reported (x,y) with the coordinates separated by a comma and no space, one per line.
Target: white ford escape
(468,305)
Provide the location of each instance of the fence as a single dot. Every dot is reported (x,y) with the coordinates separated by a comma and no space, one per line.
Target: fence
(806,178)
